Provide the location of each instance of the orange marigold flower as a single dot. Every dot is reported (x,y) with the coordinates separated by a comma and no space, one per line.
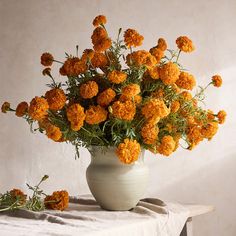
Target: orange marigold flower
(99,20)
(5,107)
(18,195)
(137,99)
(155,108)
(157,53)
(88,54)
(217,80)
(158,93)
(44,123)
(141,58)
(175,105)
(102,45)
(209,130)
(46,59)
(124,110)
(161,44)
(47,71)
(221,116)
(185,44)
(75,114)
(149,133)
(73,67)
(210,115)
(169,73)
(38,108)
(59,200)
(53,132)
(116,76)
(186,96)
(128,151)
(131,90)
(154,72)
(132,38)
(88,89)
(167,145)
(99,60)
(22,109)
(186,81)
(98,34)
(56,99)
(194,134)
(106,97)
(95,115)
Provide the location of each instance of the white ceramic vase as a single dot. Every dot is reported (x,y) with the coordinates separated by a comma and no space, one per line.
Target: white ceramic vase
(114,185)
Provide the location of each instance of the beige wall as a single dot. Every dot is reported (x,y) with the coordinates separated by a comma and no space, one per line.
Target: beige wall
(27,28)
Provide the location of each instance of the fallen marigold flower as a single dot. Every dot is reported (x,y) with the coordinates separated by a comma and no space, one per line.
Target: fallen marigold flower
(59,200)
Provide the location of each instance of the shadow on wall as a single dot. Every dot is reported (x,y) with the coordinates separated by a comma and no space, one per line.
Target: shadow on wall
(212,184)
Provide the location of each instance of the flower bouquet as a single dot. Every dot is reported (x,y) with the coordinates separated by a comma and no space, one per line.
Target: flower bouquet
(117,96)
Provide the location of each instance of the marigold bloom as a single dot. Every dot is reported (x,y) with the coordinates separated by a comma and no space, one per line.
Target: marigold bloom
(167,145)
(88,89)
(221,116)
(132,38)
(175,105)
(47,71)
(161,44)
(186,96)
(157,53)
(46,59)
(106,97)
(185,44)
(131,90)
(124,110)
(102,45)
(116,76)
(18,195)
(95,115)
(99,60)
(158,93)
(22,109)
(137,99)
(75,114)
(141,58)
(99,20)
(209,130)
(210,115)
(154,72)
(38,108)
(59,200)
(88,54)
(53,132)
(186,81)
(169,73)
(149,133)
(194,134)
(217,80)
(128,151)
(5,107)
(73,67)
(98,34)
(56,99)
(155,108)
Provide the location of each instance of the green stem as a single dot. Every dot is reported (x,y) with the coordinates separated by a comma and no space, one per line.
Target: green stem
(58,61)
(178,56)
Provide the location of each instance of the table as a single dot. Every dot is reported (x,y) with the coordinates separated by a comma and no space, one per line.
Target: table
(151,217)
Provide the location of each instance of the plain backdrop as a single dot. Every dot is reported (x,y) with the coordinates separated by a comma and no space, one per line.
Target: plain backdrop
(28,28)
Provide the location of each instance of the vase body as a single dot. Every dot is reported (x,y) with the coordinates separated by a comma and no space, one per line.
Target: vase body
(115,185)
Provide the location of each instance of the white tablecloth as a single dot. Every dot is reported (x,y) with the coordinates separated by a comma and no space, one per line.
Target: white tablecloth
(84,217)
